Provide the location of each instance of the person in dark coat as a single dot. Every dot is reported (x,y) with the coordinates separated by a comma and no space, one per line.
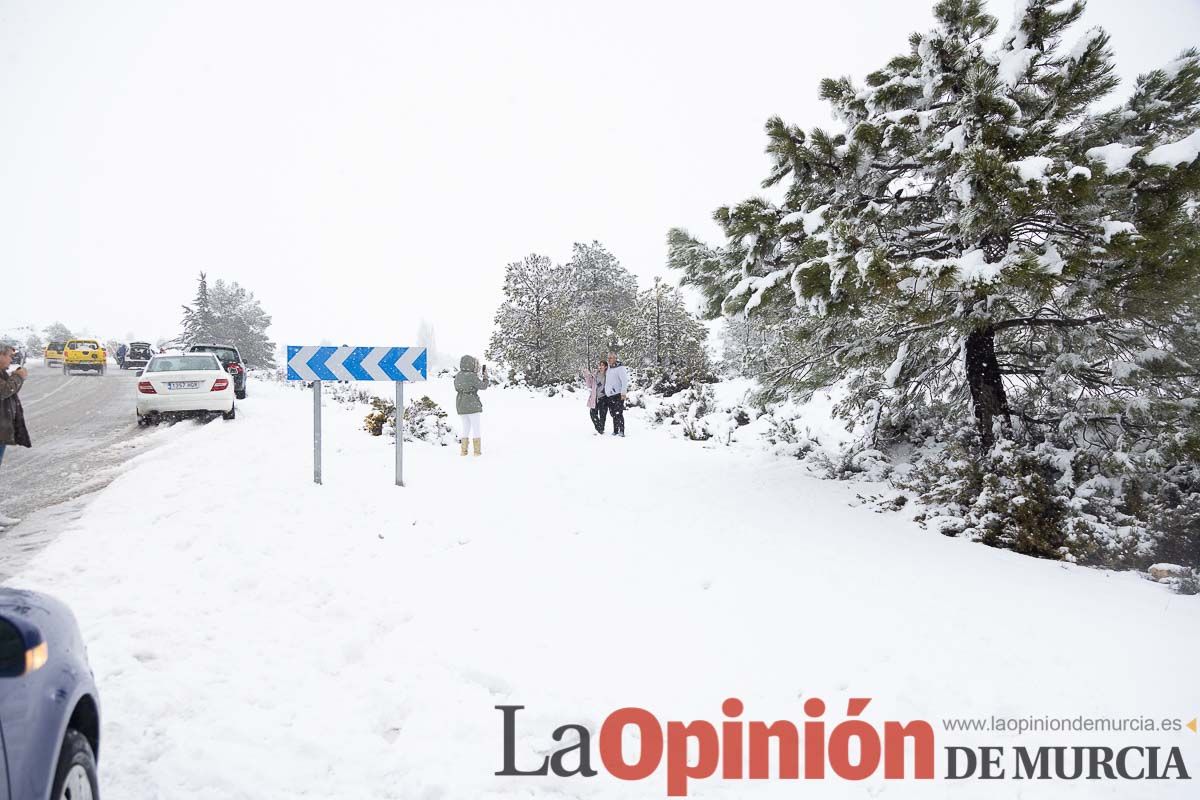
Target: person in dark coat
(12,416)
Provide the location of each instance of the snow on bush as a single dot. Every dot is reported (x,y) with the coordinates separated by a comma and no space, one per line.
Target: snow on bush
(424,420)
(695,411)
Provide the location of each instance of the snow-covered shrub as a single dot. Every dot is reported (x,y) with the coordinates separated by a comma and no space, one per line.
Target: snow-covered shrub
(865,463)
(1040,499)
(695,411)
(786,437)
(383,414)
(685,408)
(424,420)
(348,393)
(635,398)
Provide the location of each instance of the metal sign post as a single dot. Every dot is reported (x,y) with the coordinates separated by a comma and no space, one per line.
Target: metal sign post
(399,433)
(316,432)
(317,364)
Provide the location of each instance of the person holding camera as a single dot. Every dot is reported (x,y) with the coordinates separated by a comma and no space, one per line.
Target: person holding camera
(12,416)
(468,383)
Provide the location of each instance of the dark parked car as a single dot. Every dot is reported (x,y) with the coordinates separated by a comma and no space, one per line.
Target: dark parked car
(231,360)
(137,355)
(19,356)
(49,707)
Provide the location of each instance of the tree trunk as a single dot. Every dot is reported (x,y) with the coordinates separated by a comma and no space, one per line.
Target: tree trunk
(986,383)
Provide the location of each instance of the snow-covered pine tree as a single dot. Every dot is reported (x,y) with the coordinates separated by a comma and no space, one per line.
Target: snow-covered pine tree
(975,223)
(238,318)
(602,292)
(228,313)
(34,343)
(199,321)
(667,343)
(978,239)
(530,325)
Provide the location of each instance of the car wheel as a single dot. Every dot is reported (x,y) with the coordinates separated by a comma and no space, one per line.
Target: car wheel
(65,370)
(240,395)
(75,777)
(230,414)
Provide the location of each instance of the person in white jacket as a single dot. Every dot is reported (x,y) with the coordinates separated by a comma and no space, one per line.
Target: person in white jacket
(616,384)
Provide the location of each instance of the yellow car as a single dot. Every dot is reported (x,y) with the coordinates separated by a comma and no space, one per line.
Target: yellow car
(84,354)
(54,353)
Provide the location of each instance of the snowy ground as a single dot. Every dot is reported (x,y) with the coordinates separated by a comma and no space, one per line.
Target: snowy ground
(256,636)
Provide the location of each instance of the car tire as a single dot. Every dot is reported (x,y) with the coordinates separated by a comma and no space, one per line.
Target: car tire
(75,776)
(240,395)
(230,414)
(65,370)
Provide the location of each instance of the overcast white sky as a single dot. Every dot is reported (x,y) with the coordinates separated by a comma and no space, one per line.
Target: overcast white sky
(364,165)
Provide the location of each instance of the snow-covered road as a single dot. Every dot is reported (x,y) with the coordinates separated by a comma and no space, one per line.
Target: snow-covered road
(83,431)
(256,636)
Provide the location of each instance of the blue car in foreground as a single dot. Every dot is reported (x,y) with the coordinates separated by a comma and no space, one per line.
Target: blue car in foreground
(49,708)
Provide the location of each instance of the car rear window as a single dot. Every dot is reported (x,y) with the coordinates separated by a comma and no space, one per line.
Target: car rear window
(179,363)
(226,354)
(12,646)
(82,346)
(55,346)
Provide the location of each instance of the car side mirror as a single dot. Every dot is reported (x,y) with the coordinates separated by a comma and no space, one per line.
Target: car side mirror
(22,648)
(139,372)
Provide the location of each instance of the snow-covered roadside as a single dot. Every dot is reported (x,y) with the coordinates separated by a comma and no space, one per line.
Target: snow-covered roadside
(256,636)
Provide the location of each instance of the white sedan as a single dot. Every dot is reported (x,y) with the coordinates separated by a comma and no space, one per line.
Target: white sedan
(175,385)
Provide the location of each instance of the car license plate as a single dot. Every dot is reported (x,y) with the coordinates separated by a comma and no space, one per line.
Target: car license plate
(183,384)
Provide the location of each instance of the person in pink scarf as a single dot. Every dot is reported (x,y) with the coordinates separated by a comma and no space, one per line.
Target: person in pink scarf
(595,384)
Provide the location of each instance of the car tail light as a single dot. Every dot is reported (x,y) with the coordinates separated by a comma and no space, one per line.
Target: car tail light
(145,387)
(36,657)
(220,385)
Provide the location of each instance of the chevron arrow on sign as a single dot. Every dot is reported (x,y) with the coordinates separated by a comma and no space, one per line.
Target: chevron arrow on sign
(316,363)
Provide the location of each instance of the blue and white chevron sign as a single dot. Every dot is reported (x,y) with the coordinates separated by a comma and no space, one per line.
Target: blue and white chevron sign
(356,363)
